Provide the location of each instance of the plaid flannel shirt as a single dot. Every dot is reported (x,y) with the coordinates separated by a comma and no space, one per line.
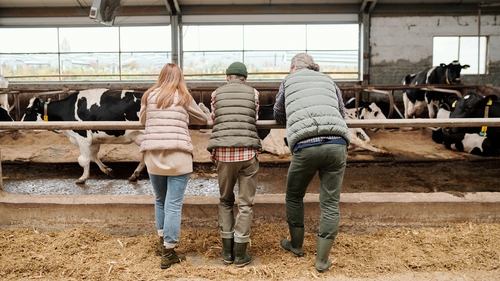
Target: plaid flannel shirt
(234,154)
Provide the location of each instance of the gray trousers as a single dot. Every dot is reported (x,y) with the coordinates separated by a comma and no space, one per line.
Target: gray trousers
(245,173)
(329,160)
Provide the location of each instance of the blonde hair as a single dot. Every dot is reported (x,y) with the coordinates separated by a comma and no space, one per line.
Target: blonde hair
(170,80)
(303,60)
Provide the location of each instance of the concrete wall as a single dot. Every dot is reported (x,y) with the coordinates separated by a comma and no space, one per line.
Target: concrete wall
(403,45)
(134,215)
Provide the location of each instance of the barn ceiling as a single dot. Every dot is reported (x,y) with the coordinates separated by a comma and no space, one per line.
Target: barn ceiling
(80,8)
(88,3)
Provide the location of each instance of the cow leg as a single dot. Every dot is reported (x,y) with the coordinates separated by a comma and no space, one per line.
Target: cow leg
(431,105)
(88,153)
(361,134)
(138,170)
(84,161)
(358,144)
(94,150)
(406,103)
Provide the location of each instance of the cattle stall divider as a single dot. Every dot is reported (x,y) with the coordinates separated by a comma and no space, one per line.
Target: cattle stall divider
(200,89)
(261,124)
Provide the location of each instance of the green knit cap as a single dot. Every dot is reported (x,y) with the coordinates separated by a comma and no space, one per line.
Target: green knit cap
(237,68)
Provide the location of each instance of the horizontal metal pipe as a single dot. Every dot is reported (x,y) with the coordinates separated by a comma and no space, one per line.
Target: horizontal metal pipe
(265,124)
(16,88)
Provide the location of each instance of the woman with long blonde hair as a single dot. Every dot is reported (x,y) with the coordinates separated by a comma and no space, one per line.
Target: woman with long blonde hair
(167,109)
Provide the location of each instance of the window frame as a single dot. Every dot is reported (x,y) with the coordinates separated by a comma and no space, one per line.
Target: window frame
(477,67)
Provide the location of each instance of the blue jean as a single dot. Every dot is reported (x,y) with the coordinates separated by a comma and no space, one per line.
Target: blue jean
(329,160)
(169,195)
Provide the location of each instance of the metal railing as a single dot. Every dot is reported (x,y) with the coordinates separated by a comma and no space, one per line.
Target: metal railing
(262,124)
(266,124)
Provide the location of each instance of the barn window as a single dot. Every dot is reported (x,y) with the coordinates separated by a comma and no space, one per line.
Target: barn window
(139,52)
(268,49)
(84,53)
(469,50)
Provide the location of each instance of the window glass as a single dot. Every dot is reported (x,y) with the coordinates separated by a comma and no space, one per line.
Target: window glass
(138,65)
(28,40)
(209,64)
(269,61)
(445,50)
(267,50)
(104,53)
(28,66)
(90,66)
(333,37)
(469,54)
(145,39)
(90,39)
(212,38)
(275,37)
(462,48)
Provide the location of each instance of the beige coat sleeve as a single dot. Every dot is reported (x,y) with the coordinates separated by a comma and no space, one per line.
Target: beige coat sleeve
(196,115)
(142,115)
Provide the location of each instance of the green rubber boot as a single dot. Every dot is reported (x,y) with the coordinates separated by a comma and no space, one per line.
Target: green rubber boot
(227,250)
(295,244)
(241,257)
(323,247)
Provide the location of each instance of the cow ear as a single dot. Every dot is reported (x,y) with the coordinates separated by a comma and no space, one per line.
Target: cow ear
(443,65)
(465,66)
(491,97)
(37,102)
(452,99)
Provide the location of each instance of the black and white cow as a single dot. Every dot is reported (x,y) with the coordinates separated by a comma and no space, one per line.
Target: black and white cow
(4,82)
(370,110)
(4,115)
(464,142)
(4,98)
(473,105)
(416,100)
(93,105)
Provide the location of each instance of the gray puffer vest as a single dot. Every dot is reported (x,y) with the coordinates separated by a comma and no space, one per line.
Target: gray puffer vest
(312,108)
(234,124)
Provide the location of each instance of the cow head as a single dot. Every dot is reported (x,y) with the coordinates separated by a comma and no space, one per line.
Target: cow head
(452,72)
(372,111)
(4,115)
(33,110)
(470,106)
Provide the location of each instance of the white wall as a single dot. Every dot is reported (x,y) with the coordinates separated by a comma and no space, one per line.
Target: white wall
(404,44)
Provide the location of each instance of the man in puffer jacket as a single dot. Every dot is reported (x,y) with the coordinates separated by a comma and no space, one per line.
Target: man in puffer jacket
(234,145)
(311,105)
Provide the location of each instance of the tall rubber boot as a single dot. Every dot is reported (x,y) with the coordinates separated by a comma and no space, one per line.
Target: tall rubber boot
(323,247)
(295,244)
(227,250)
(241,257)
